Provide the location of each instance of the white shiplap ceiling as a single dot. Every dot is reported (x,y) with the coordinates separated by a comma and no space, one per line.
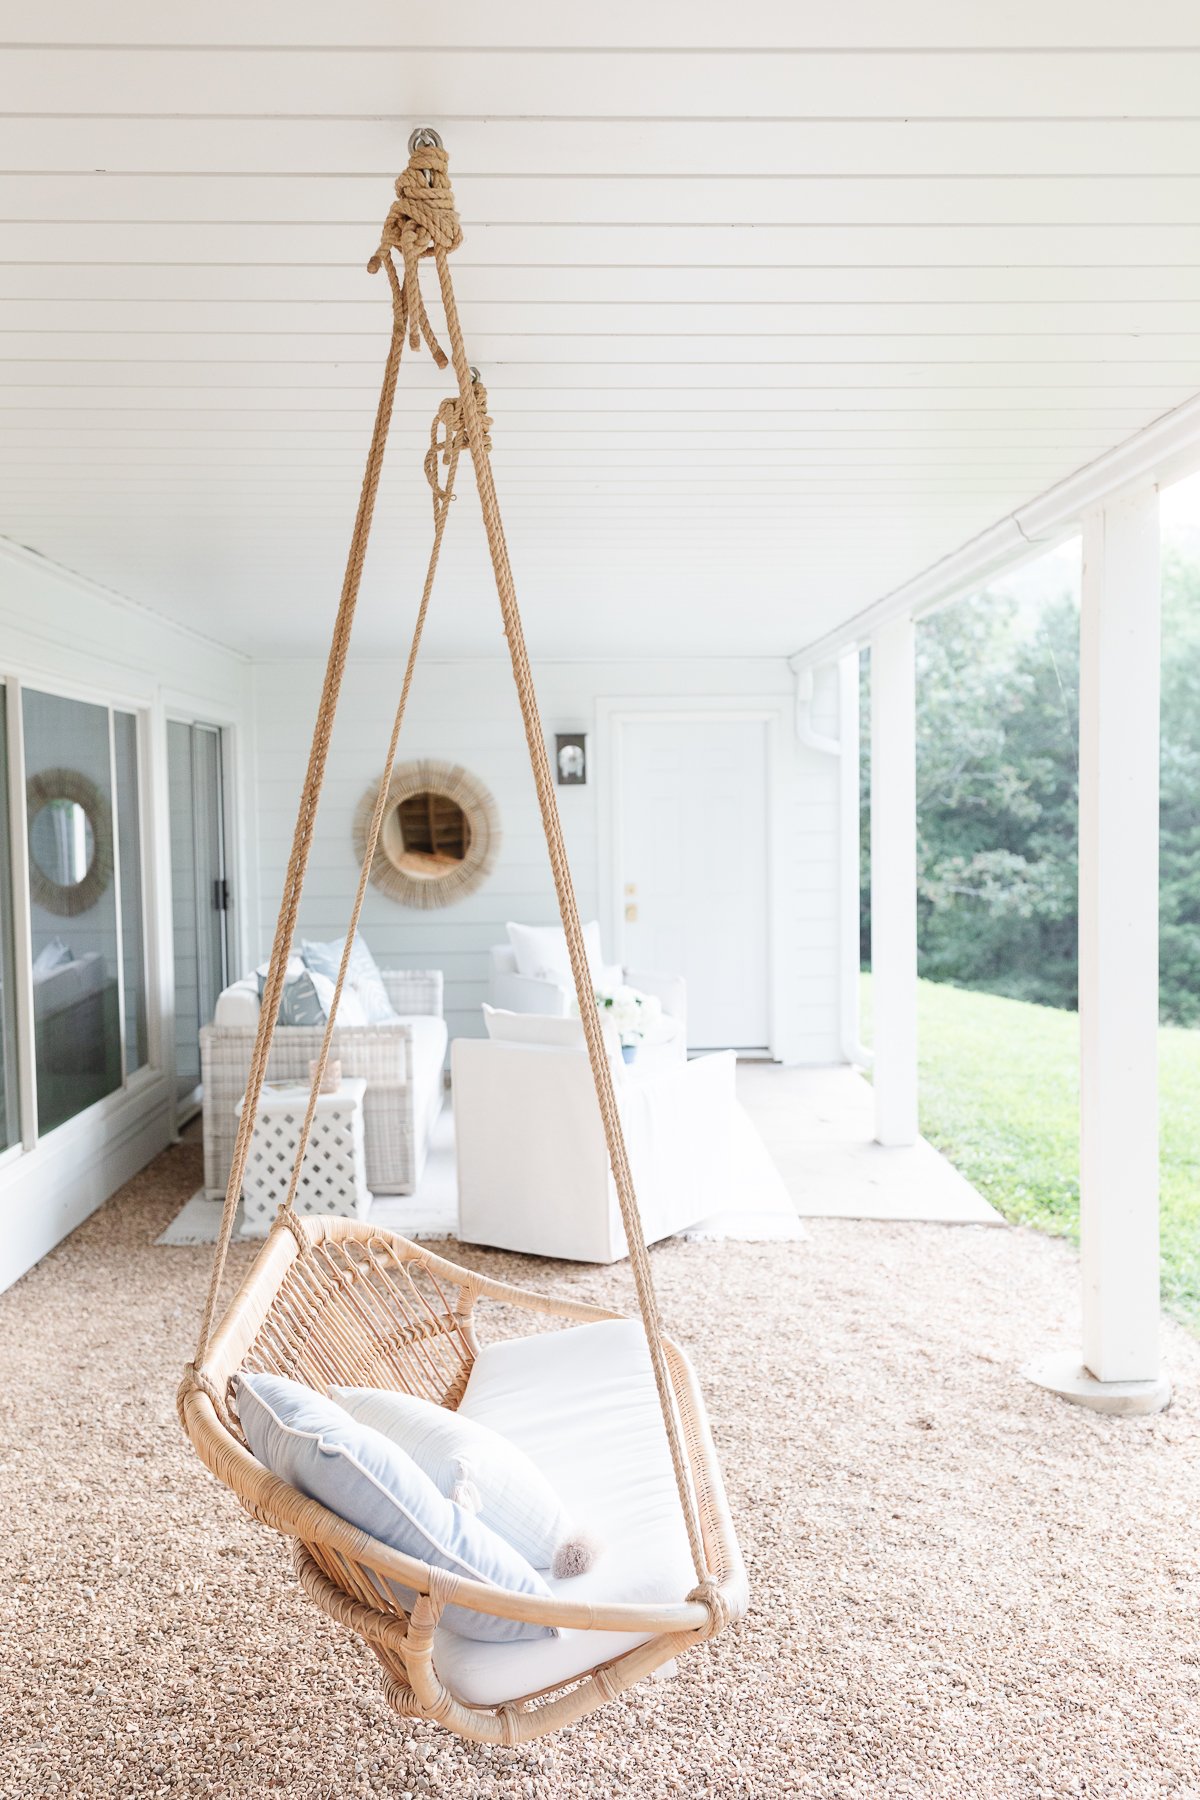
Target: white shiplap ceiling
(777,304)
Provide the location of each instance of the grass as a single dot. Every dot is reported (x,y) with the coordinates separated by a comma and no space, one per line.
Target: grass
(1000,1097)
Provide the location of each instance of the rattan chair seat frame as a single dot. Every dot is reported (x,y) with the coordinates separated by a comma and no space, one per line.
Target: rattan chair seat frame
(336,1299)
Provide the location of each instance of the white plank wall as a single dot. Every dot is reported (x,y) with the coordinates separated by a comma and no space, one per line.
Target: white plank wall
(467,712)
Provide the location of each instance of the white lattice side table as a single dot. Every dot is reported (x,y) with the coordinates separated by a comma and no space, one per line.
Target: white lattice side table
(334,1176)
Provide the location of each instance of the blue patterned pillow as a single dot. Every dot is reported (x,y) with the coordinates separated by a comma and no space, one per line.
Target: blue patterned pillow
(300,1003)
(362,975)
(359,1474)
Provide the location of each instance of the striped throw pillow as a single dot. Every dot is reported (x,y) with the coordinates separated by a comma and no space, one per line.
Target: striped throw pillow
(477,1467)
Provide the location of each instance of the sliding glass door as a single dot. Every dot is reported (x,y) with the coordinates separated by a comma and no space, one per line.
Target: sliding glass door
(85,901)
(199,889)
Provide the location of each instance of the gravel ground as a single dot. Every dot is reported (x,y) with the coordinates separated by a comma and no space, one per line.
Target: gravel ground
(962,1587)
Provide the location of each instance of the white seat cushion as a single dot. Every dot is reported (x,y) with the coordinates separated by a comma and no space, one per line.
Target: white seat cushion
(429,1040)
(583,1405)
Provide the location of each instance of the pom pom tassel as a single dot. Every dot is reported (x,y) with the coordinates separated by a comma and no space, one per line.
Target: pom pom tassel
(574,1556)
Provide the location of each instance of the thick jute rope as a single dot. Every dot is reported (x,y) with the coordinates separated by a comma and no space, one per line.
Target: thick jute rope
(423,222)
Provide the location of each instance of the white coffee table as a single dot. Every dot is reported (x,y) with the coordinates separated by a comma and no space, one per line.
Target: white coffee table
(334,1177)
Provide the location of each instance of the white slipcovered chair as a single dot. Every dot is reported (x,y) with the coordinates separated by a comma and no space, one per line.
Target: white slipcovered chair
(533,1170)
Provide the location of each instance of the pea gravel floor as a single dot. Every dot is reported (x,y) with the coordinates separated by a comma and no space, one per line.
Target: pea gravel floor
(962,1586)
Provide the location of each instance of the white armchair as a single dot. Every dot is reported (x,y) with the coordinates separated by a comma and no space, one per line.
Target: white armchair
(532,974)
(533,1171)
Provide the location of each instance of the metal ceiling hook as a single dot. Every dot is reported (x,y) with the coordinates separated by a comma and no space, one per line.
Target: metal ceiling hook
(425,138)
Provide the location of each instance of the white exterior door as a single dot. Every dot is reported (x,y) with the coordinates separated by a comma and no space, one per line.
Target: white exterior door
(691,857)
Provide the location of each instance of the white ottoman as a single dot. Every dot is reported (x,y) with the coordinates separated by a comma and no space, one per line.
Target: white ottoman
(334,1176)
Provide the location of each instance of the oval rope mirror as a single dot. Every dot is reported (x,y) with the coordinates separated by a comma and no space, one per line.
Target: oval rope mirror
(439,836)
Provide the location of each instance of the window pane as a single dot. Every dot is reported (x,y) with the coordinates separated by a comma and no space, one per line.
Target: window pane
(129,850)
(76,1010)
(10,1128)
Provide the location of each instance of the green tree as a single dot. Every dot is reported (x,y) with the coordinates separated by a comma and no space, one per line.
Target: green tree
(997,798)
(1179,920)
(997,729)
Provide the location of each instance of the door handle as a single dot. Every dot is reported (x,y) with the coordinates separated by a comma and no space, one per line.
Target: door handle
(631,914)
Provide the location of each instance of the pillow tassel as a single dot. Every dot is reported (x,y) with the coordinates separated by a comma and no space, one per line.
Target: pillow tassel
(464,1493)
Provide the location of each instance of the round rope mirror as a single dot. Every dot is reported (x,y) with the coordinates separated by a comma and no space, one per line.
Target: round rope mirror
(70,841)
(439,836)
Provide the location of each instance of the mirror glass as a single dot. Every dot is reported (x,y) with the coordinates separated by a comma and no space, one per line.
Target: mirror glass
(62,842)
(426,834)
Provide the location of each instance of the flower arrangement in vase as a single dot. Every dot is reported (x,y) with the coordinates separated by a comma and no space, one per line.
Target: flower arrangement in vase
(631,1014)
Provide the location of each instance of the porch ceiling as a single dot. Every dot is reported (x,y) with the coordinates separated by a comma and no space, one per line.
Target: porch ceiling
(776,306)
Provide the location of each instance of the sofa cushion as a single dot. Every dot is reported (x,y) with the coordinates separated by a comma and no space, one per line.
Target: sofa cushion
(315,1445)
(362,975)
(471,1463)
(541,952)
(307,999)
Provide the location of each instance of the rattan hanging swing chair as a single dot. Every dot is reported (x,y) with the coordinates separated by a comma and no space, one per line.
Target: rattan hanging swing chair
(335,1300)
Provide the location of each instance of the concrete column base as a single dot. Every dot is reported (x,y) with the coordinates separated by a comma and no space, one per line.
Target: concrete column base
(1063,1374)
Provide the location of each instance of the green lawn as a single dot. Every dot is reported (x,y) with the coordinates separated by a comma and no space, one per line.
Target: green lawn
(1000,1096)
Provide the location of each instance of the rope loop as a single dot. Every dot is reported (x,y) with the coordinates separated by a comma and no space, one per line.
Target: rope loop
(195,1380)
(448,439)
(708,1593)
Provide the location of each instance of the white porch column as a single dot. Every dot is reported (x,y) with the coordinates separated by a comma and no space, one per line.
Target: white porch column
(1118,964)
(894,880)
(849,870)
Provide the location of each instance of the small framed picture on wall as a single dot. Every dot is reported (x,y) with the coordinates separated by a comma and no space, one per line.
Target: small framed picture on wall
(570,758)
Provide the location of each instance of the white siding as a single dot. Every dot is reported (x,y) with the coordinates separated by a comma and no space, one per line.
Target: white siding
(467,712)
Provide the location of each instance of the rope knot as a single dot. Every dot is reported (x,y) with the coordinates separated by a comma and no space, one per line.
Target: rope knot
(425,199)
(421,220)
(448,439)
(709,1594)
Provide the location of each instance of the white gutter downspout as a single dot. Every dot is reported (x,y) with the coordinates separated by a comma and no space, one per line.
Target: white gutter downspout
(845,748)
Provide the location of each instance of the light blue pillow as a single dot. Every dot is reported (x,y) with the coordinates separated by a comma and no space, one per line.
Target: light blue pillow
(314,1445)
(362,974)
(482,1470)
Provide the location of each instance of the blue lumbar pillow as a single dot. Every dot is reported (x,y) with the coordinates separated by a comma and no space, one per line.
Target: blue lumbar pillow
(315,1446)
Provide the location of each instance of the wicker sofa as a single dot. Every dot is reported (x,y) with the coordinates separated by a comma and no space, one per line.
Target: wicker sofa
(401,1063)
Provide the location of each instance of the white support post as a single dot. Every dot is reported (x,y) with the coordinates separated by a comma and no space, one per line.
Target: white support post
(894,880)
(849,869)
(1118,964)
